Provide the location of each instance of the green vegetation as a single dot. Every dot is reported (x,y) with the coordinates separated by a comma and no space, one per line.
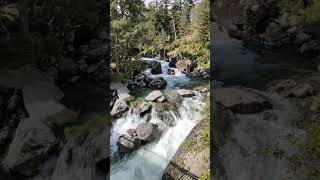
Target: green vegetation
(163,28)
(205,130)
(313,11)
(205,176)
(308,9)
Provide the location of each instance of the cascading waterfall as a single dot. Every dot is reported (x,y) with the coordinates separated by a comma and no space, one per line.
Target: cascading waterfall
(149,161)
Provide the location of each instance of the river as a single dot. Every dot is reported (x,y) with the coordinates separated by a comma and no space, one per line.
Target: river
(149,161)
(237,64)
(253,66)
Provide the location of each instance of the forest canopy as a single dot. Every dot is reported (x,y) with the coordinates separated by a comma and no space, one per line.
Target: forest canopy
(163,28)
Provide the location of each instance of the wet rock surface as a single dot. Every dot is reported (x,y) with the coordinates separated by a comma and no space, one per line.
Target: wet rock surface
(158,83)
(155,96)
(120,106)
(142,134)
(240,100)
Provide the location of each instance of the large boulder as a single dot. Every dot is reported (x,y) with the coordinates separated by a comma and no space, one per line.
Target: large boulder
(120,106)
(146,132)
(243,101)
(155,96)
(185,92)
(143,108)
(34,139)
(127,144)
(155,67)
(158,83)
(302,90)
(142,134)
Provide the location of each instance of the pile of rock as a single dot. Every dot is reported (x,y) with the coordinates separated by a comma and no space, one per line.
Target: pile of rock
(291,88)
(241,100)
(142,80)
(31,114)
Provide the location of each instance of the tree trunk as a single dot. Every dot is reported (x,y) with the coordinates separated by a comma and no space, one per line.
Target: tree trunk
(174,28)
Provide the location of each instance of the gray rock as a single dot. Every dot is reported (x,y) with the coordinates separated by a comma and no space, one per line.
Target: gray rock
(158,83)
(311,46)
(41,91)
(143,108)
(146,132)
(241,101)
(302,90)
(33,141)
(153,96)
(161,99)
(283,87)
(147,117)
(185,92)
(120,106)
(301,38)
(127,144)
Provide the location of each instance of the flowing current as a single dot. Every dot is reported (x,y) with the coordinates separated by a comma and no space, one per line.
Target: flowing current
(149,161)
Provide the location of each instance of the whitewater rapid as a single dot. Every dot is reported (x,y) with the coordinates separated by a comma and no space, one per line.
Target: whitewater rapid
(149,161)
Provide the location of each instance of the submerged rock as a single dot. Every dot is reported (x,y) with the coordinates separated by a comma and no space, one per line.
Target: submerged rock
(241,101)
(158,83)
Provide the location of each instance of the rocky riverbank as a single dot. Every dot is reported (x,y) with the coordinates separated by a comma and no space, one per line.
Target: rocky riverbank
(148,113)
(266,23)
(43,135)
